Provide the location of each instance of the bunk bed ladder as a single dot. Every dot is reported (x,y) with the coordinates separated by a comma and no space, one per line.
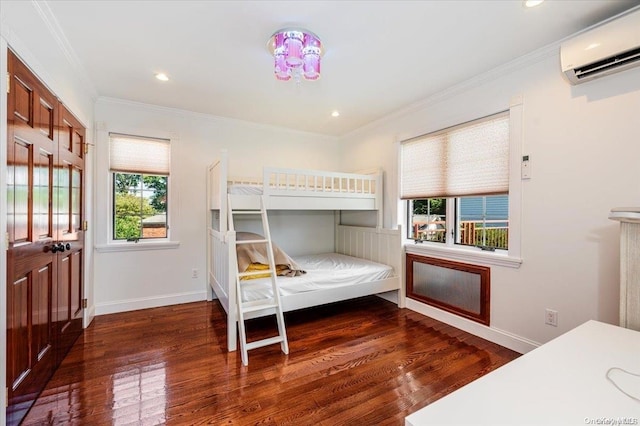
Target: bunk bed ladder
(258,305)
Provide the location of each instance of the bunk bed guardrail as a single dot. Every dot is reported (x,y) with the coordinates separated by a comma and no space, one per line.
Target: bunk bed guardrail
(313,183)
(287,189)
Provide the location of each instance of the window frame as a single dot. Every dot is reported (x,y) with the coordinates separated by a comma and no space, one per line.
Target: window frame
(452,251)
(105,241)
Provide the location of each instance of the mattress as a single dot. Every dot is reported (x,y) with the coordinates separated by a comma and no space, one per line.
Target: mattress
(324,271)
(244,189)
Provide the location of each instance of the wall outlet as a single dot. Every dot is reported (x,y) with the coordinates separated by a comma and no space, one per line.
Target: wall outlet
(194,273)
(551,317)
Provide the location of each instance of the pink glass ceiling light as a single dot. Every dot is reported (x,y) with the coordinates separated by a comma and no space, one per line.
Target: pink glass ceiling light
(296,54)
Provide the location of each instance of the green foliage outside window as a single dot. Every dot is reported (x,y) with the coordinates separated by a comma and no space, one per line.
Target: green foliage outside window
(137,197)
(125,182)
(159,198)
(430,206)
(128,228)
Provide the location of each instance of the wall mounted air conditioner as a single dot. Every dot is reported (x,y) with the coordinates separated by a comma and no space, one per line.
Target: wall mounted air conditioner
(604,50)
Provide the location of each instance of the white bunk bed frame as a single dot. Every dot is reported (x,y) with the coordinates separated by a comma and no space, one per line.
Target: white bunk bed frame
(290,189)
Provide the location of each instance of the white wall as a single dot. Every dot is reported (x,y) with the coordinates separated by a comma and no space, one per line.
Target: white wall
(139,279)
(25,29)
(584,145)
(297,232)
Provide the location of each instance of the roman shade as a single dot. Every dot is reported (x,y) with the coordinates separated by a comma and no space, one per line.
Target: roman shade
(464,160)
(139,155)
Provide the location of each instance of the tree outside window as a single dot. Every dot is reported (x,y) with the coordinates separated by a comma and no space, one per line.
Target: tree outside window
(140,206)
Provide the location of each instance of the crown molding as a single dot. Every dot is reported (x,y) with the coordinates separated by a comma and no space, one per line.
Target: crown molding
(210,117)
(17,46)
(479,80)
(22,50)
(52,24)
(524,61)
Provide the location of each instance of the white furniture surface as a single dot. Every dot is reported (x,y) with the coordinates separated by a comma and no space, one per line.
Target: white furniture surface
(563,382)
(629,218)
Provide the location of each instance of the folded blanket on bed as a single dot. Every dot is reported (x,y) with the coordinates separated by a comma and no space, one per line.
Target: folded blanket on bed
(250,255)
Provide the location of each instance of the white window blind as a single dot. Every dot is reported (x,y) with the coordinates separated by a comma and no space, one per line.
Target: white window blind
(133,154)
(469,159)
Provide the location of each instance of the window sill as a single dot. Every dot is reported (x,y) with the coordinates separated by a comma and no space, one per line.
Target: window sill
(461,254)
(117,247)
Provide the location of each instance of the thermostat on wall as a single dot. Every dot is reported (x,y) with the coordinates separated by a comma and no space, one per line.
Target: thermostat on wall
(526,167)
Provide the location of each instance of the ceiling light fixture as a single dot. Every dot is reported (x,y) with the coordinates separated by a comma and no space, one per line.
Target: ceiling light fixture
(532,3)
(335,114)
(296,53)
(162,76)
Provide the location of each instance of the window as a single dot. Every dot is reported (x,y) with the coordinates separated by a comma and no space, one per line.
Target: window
(456,183)
(140,171)
(483,221)
(479,221)
(428,219)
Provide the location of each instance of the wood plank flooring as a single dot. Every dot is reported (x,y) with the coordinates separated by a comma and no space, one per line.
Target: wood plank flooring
(360,362)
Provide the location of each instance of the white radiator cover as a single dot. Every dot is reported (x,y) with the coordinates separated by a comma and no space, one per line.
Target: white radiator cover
(629,265)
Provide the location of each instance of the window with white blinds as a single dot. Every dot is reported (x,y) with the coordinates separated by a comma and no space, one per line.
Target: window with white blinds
(133,154)
(468,159)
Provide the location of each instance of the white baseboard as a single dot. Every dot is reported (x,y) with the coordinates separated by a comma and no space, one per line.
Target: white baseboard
(148,302)
(495,335)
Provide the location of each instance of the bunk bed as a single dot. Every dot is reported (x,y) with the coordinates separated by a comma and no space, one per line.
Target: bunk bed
(292,189)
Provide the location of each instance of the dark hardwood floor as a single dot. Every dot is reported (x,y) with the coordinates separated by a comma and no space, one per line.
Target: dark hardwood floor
(361,362)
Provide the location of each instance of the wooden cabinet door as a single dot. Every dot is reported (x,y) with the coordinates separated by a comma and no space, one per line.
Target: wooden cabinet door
(32,265)
(45,190)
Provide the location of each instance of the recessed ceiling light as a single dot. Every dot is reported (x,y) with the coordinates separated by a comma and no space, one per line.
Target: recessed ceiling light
(335,114)
(162,76)
(532,3)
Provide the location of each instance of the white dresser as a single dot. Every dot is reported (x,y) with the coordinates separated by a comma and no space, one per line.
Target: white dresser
(629,218)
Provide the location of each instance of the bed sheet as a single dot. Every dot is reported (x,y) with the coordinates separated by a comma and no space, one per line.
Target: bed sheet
(324,271)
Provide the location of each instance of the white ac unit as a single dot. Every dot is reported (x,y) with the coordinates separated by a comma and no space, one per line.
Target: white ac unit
(604,50)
